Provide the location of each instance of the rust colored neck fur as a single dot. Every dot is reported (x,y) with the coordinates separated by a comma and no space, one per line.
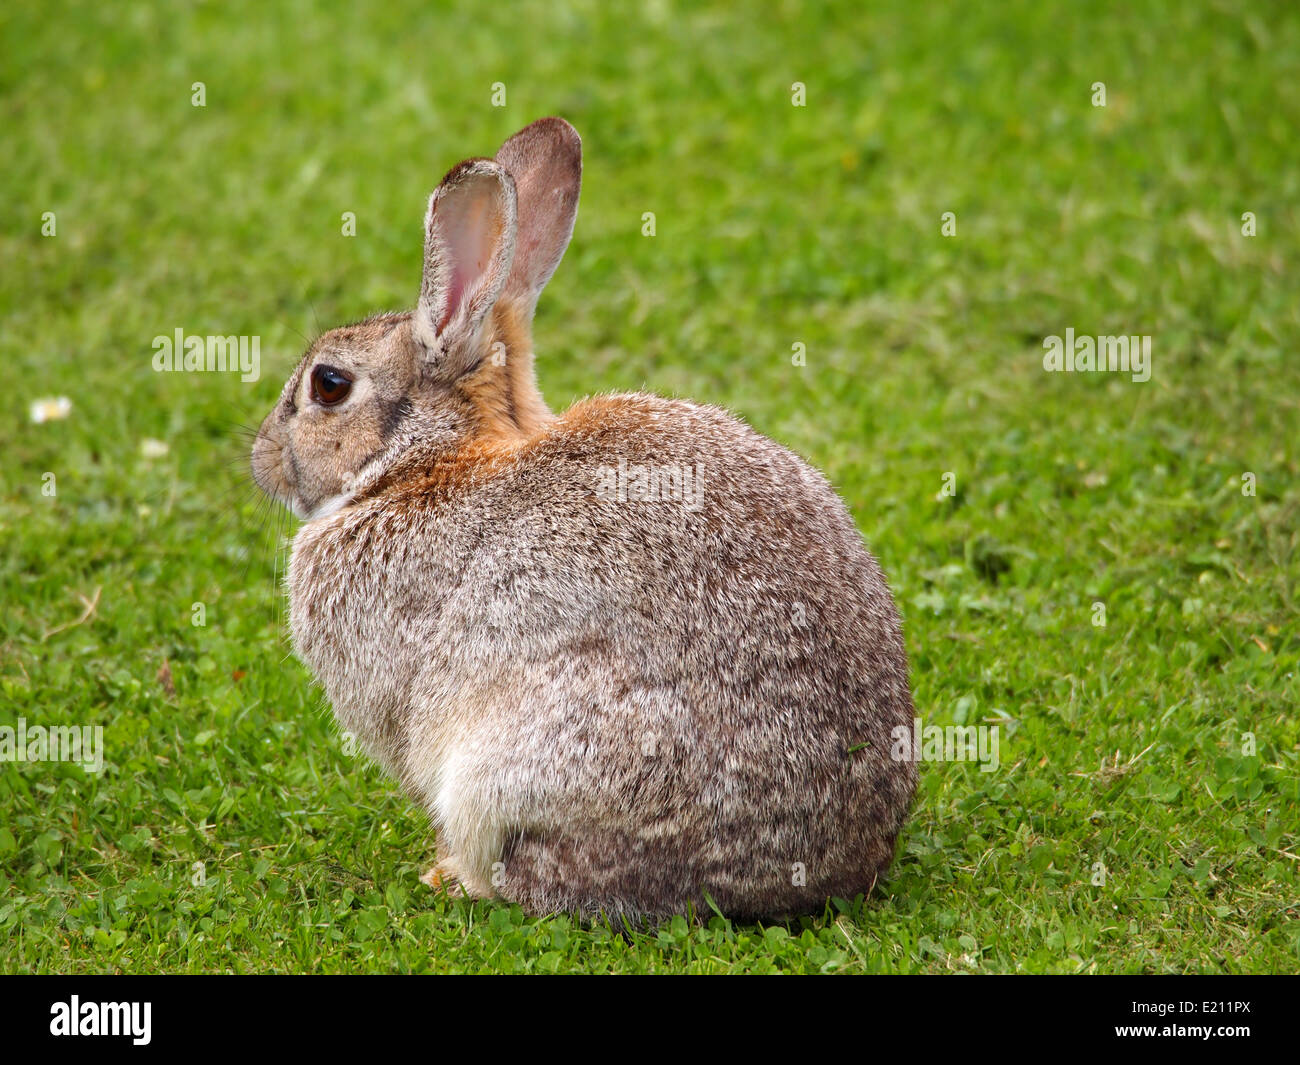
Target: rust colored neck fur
(503,389)
(509,414)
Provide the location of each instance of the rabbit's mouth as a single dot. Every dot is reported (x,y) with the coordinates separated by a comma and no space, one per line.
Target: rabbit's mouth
(267,467)
(275,472)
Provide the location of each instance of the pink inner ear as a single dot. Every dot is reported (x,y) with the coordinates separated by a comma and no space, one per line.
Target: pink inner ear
(455,289)
(465,228)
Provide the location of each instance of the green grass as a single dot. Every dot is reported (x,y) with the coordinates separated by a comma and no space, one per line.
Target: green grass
(775,224)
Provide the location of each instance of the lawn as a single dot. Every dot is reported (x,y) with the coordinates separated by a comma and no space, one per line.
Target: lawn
(1106,569)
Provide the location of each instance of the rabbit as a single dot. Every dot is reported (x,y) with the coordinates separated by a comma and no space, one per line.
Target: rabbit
(633,659)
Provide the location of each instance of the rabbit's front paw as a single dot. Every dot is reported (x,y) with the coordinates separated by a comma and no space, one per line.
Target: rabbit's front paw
(443,877)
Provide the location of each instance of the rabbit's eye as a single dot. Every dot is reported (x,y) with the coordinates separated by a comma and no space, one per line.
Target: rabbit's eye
(329,386)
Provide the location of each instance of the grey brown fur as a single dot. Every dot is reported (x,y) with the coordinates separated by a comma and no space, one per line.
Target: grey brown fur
(607,706)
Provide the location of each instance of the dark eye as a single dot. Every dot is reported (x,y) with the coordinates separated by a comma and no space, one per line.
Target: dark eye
(329,386)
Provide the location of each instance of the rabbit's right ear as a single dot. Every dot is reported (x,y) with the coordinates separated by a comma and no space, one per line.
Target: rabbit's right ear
(545,159)
(469,244)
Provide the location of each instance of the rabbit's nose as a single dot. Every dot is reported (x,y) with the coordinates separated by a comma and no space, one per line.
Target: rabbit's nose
(273,469)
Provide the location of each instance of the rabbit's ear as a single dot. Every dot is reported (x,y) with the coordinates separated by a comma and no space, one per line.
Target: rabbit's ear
(545,159)
(469,243)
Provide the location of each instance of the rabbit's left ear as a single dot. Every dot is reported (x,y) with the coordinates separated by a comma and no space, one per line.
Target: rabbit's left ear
(469,244)
(545,159)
